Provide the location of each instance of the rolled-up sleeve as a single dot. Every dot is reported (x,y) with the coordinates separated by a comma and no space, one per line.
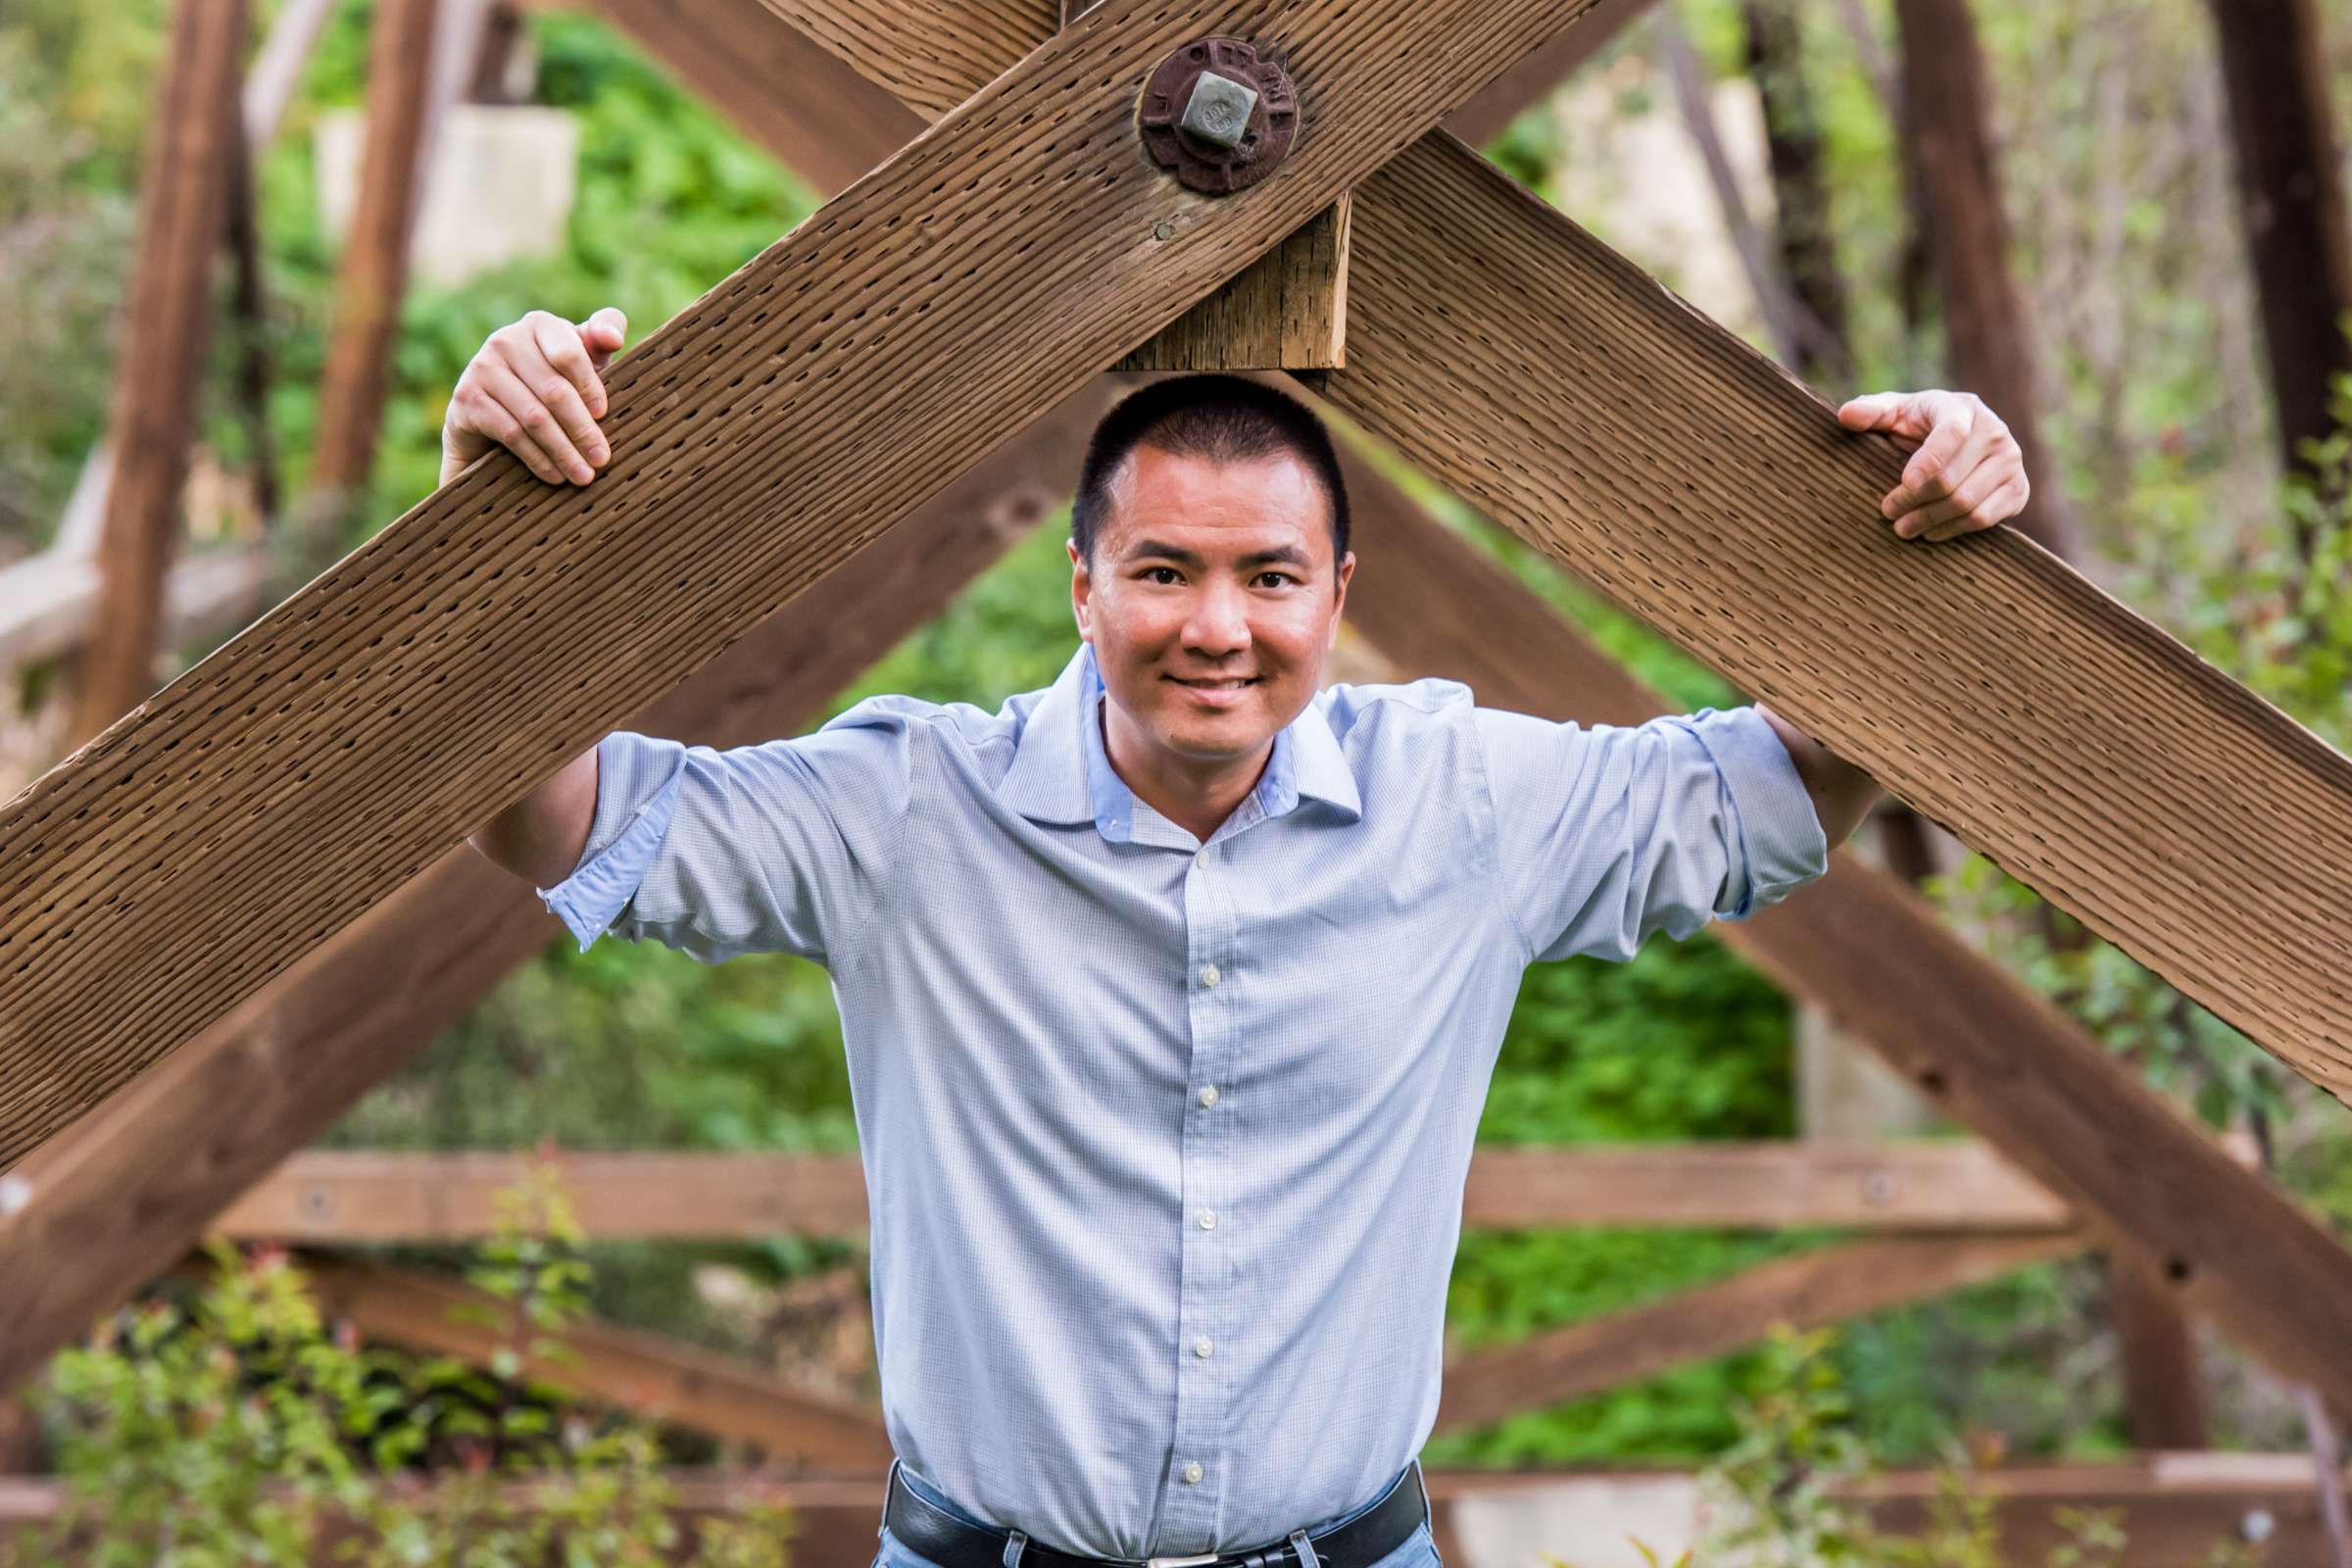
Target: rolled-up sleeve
(1606,834)
(786,846)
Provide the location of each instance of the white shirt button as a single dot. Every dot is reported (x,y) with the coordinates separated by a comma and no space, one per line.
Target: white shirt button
(1203,1348)
(1209,975)
(1209,1096)
(1208,1219)
(1192,1473)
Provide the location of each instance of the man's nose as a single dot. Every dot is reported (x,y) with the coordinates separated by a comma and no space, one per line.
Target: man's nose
(1218,622)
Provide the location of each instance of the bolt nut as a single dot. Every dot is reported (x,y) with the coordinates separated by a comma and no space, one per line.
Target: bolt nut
(1217,117)
(1218,111)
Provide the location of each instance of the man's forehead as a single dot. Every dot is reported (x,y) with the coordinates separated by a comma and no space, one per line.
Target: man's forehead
(1252,504)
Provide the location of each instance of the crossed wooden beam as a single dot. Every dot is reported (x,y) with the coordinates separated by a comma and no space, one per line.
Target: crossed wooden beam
(787,372)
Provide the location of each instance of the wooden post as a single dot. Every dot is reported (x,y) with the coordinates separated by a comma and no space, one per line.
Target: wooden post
(2290,170)
(1808,247)
(1947,135)
(374,271)
(160,360)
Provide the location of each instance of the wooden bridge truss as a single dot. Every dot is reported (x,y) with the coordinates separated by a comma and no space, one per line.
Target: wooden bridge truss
(254,874)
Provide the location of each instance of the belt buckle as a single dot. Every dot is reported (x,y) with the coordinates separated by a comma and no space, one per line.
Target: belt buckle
(1182,1562)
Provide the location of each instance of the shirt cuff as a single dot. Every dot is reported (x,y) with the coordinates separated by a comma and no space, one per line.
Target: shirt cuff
(636,791)
(1781,841)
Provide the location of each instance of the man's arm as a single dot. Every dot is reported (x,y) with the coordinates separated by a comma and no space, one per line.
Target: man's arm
(535,388)
(542,835)
(1966,475)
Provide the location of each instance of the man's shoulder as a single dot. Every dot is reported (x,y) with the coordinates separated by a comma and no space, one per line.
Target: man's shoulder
(1404,707)
(962,728)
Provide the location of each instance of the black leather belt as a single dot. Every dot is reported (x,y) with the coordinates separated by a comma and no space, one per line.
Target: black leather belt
(933,1532)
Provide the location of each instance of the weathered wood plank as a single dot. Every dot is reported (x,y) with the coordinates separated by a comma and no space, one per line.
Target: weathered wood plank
(348,1198)
(1287,311)
(1811,1289)
(794,410)
(663,1379)
(118,1198)
(151,419)
(1549,381)
(1859,944)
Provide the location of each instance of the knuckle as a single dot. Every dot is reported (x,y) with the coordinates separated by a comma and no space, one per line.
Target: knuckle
(536,417)
(552,389)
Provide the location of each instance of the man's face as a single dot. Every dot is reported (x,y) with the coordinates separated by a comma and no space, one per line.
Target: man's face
(1211,600)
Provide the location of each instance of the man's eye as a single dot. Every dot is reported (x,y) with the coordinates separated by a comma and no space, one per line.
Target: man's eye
(1276,580)
(1160,574)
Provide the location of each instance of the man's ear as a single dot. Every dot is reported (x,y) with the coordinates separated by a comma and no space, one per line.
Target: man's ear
(1082,594)
(1338,602)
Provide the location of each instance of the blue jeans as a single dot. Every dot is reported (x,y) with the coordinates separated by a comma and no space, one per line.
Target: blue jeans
(1417,1550)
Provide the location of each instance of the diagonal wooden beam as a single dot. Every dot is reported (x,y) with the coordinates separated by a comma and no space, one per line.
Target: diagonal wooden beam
(1810,1289)
(98,1211)
(1514,358)
(347,1197)
(831,384)
(2226,1240)
(670,1381)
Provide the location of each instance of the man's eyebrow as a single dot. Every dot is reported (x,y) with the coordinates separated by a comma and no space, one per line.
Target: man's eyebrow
(1283,555)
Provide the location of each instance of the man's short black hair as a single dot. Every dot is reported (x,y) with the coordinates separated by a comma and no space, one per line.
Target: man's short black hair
(1223,418)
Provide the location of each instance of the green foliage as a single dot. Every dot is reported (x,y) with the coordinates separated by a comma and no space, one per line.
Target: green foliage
(234,1428)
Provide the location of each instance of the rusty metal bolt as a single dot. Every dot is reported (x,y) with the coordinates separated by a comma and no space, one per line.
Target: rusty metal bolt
(1218,116)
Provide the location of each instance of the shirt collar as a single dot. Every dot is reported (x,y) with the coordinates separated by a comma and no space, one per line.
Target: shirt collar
(1062,773)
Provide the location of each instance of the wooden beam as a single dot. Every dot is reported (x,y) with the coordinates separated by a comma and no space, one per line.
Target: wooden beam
(1514,358)
(49,600)
(373,274)
(1874,956)
(2176,1508)
(827,359)
(1828,1284)
(663,1379)
(1527,83)
(348,1198)
(151,420)
(1287,311)
(830,129)
(100,1209)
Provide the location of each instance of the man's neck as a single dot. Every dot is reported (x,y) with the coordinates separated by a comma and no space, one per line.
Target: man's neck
(1197,801)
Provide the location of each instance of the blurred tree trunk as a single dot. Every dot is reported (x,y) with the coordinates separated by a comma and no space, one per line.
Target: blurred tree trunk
(1947,136)
(1807,243)
(2291,203)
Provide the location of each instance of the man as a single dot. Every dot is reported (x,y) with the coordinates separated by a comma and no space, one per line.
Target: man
(1171,993)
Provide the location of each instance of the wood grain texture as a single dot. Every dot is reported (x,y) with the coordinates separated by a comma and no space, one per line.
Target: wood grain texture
(260,801)
(2034,1085)
(118,1198)
(372,274)
(1828,1284)
(167,323)
(930,55)
(776,86)
(346,1198)
(1288,311)
(1544,378)
(663,1379)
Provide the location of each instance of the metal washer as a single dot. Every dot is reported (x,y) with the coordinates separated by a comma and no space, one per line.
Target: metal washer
(1203,165)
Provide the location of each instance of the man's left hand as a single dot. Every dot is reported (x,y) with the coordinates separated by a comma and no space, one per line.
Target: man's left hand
(1965,473)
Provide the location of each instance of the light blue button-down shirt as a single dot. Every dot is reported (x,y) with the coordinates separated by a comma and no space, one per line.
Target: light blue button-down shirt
(1164,1141)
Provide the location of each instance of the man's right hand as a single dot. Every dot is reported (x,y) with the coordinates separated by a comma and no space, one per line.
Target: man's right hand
(535,389)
